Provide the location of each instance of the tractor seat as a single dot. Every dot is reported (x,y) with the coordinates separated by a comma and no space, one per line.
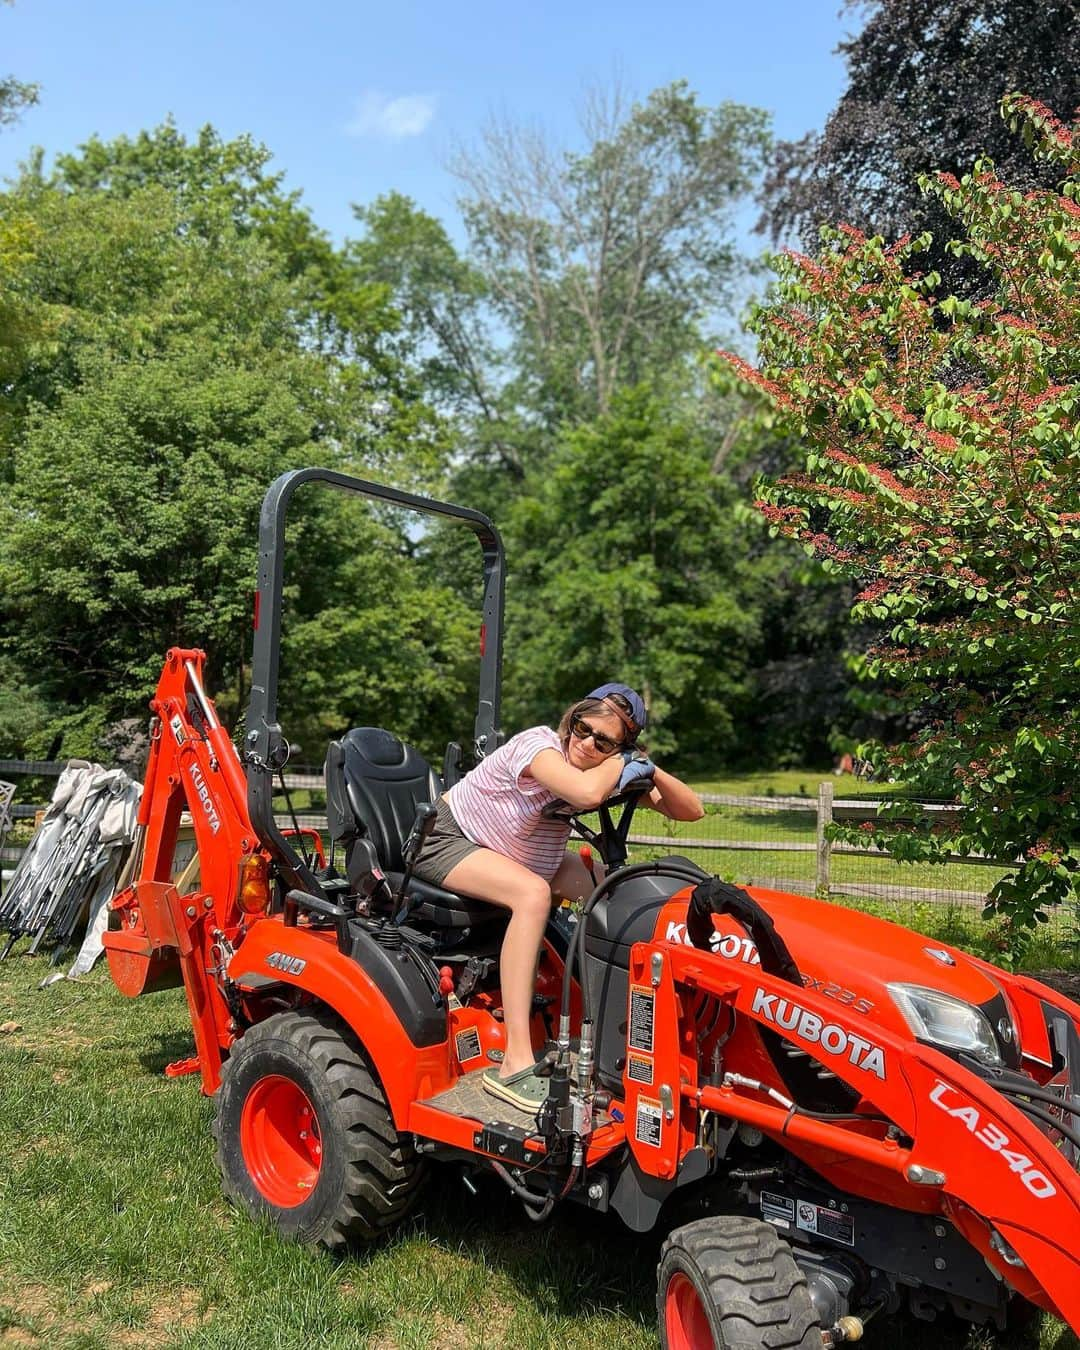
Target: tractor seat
(374,784)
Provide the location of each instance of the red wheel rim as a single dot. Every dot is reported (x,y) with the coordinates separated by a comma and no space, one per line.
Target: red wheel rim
(280,1141)
(685,1322)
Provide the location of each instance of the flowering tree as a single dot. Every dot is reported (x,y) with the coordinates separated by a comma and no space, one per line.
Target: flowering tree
(942,471)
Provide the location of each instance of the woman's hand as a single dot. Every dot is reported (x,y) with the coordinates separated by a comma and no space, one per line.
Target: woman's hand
(635,767)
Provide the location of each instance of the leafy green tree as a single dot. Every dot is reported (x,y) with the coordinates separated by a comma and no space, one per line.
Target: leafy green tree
(925,80)
(941,440)
(602,263)
(624,565)
(190,358)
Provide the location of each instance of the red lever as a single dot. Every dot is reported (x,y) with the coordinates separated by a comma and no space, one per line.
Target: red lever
(585,854)
(446,979)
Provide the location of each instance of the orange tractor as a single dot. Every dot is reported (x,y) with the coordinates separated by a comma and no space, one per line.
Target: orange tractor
(865,1120)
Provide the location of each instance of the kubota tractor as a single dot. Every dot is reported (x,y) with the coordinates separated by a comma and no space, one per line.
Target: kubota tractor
(870,1120)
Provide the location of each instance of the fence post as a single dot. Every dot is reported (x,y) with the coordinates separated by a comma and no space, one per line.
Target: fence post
(824,844)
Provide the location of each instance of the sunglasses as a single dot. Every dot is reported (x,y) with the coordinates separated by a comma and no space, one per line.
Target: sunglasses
(581,729)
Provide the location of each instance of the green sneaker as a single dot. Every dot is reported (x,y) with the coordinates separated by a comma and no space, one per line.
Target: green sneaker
(522,1090)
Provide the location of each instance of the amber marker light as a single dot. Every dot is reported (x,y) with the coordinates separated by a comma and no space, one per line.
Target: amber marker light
(254,895)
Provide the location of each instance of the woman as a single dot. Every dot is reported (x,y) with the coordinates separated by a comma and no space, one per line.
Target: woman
(492,842)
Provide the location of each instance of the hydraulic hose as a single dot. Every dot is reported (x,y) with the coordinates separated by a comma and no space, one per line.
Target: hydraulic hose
(1037,1113)
(679,871)
(1037,1094)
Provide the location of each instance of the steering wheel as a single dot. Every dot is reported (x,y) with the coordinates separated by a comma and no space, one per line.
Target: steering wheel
(610,840)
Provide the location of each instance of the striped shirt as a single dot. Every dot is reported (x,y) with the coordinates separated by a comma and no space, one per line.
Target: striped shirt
(498,804)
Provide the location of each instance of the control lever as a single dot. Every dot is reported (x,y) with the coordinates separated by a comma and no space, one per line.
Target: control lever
(410,851)
(366,877)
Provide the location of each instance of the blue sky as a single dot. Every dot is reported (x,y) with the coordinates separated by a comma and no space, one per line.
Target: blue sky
(356,99)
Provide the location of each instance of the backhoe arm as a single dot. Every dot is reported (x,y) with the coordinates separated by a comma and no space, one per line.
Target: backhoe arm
(156,933)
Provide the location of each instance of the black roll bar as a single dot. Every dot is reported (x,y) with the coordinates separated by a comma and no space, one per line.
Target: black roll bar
(265,748)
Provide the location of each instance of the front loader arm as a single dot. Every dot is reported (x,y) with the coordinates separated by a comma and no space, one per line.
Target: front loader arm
(946,1140)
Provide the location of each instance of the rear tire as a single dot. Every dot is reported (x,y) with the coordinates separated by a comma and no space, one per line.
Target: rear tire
(730,1283)
(304,1134)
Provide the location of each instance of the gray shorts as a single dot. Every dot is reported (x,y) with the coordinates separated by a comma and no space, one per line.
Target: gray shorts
(444,847)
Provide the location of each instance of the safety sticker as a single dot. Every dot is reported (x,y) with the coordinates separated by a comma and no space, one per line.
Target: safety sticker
(639,1069)
(777,1209)
(642,1005)
(467,1044)
(648,1122)
(177,728)
(827,1223)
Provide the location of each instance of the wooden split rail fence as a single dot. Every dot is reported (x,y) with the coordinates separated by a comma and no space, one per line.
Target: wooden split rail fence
(825,809)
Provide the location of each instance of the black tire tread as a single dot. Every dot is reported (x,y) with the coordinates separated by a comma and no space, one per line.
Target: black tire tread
(758,1292)
(382,1172)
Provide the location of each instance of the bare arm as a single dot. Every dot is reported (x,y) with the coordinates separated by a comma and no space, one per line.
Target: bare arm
(582,788)
(671,797)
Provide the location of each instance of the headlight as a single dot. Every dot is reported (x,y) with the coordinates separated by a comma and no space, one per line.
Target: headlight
(946,1021)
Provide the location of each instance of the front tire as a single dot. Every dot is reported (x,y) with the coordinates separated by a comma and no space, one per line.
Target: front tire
(730,1283)
(305,1136)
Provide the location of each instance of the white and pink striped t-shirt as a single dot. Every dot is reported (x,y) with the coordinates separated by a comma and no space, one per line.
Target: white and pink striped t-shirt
(498,804)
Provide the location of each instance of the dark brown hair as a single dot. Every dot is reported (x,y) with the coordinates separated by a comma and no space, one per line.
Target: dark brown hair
(585,706)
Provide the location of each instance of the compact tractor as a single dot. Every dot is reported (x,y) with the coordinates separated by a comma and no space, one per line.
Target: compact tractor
(865,1120)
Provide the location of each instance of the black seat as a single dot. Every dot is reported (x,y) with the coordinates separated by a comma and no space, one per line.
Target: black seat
(374,784)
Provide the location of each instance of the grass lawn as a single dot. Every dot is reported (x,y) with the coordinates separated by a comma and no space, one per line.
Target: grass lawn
(113,1231)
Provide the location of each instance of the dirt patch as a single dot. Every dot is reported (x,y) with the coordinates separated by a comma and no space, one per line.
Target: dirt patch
(43,1323)
(448,1334)
(35,1305)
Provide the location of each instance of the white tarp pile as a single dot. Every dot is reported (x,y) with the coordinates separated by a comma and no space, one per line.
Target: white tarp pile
(70,868)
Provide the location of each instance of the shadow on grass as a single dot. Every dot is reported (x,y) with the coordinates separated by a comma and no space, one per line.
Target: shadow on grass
(582,1263)
(170,1046)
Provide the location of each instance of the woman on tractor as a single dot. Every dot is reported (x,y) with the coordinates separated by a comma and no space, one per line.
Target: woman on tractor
(492,842)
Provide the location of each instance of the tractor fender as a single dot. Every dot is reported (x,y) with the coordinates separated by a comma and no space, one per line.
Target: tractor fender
(378,995)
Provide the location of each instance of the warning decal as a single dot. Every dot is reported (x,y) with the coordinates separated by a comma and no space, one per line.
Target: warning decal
(467,1044)
(642,1004)
(827,1223)
(648,1122)
(639,1069)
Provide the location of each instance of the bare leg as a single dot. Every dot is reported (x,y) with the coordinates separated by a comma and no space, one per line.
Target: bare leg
(486,875)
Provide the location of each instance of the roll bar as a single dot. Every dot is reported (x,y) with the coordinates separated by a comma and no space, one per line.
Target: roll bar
(265,748)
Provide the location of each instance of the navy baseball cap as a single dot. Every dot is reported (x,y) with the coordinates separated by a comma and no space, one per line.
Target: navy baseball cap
(633,698)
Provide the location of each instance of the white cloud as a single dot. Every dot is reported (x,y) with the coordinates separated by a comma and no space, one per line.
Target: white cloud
(377,114)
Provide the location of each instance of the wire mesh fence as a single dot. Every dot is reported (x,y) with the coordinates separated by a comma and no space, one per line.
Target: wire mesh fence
(774,841)
(783,843)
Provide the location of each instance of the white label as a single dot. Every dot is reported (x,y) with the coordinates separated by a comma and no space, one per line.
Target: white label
(648,1123)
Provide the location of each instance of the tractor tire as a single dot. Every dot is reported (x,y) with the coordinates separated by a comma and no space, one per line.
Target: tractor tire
(305,1137)
(730,1283)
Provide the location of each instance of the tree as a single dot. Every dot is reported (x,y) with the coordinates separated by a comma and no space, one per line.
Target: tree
(586,271)
(925,79)
(15,95)
(625,565)
(942,442)
(604,263)
(192,355)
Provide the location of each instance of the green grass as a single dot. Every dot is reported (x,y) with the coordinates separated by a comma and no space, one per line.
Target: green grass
(113,1230)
